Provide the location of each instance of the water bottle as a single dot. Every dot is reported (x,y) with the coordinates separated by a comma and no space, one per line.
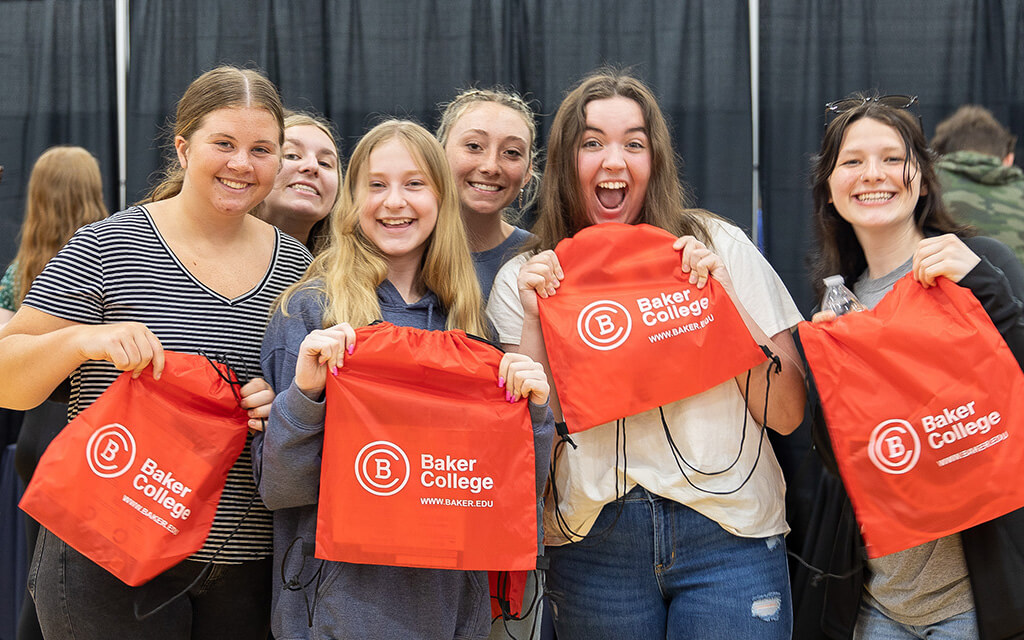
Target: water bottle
(838,298)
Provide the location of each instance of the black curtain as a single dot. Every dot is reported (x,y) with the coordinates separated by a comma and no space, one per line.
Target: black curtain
(57,86)
(359,61)
(947,53)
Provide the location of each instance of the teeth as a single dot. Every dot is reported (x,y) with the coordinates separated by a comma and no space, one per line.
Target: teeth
(484,187)
(306,188)
(395,222)
(233,184)
(612,184)
(874,197)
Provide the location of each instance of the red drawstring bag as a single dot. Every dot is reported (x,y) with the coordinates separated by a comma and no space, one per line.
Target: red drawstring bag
(425,463)
(924,403)
(627,332)
(508,589)
(133,482)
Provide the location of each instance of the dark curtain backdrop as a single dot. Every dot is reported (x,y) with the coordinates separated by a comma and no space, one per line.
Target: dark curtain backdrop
(57,86)
(360,61)
(946,52)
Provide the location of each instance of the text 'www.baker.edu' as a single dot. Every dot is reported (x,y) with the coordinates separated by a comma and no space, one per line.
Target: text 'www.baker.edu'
(452,502)
(680,330)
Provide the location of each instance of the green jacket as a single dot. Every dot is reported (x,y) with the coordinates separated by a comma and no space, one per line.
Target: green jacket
(980,191)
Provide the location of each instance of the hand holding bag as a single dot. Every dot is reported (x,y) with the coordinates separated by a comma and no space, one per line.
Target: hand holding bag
(425,463)
(134,480)
(924,404)
(627,332)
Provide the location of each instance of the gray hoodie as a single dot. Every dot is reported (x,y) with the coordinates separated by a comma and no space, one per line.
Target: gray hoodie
(324,599)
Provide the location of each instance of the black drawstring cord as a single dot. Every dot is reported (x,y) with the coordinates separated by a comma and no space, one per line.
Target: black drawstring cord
(294,584)
(562,430)
(504,585)
(229,376)
(203,572)
(776,367)
(620,495)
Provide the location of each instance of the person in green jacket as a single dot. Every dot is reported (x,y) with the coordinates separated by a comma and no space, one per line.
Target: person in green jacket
(980,184)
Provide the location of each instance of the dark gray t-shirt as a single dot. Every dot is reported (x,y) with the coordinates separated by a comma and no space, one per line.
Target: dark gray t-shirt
(927,583)
(488,262)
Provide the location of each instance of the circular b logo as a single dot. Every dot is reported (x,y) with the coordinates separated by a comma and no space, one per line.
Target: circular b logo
(894,446)
(382,468)
(604,325)
(110,451)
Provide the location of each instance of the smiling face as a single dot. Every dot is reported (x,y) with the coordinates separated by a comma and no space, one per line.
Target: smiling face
(231,161)
(307,184)
(399,209)
(614,160)
(488,150)
(868,183)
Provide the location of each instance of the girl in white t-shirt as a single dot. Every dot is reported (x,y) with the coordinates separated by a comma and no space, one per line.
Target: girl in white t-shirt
(694,555)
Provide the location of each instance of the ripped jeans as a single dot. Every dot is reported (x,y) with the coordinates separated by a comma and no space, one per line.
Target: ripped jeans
(666,571)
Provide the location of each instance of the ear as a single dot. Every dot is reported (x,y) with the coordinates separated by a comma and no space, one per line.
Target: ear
(181,148)
(1008,160)
(527,178)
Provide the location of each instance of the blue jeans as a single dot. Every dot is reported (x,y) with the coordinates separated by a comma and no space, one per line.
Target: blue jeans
(76,599)
(666,571)
(872,624)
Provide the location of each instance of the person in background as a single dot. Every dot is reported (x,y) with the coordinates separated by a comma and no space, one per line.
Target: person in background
(65,192)
(980,184)
(661,557)
(189,270)
(490,139)
(398,253)
(306,188)
(878,216)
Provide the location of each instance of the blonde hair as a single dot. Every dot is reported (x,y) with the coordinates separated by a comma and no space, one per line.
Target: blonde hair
(223,87)
(452,111)
(65,192)
(349,270)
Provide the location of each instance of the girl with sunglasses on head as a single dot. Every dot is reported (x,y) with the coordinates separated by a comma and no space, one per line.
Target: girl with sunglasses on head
(878,215)
(664,560)
(397,253)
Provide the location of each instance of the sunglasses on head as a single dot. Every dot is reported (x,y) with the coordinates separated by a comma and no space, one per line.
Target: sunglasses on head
(895,101)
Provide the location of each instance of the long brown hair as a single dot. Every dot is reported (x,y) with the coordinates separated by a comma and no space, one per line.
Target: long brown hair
(837,250)
(225,86)
(65,192)
(562,211)
(349,270)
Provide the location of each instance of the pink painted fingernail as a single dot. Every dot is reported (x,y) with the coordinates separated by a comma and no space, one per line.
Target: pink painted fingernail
(351,349)
(501,381)
(334,370)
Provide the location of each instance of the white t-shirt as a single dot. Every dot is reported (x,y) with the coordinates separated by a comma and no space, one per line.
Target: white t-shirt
(707,428)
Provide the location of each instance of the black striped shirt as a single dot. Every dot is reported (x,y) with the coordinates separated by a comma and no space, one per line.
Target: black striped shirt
(121,270)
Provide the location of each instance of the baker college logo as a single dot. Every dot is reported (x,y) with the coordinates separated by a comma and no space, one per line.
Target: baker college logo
(382,468)
(110,450)
(894,447)
(604,325)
